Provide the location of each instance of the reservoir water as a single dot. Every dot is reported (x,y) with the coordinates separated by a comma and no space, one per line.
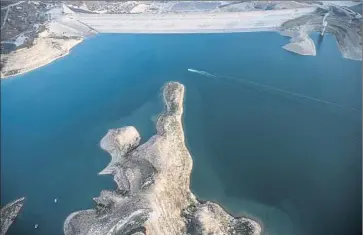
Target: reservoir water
(290,162)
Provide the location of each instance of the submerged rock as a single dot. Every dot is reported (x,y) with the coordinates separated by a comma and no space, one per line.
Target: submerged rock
(9,213)
(153,195)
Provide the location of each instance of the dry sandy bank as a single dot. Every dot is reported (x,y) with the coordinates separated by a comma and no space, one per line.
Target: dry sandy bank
(43,52)
(193,22)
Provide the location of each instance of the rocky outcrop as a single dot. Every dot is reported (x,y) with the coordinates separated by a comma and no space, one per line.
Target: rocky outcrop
(300,43)
(153,195)
(9,213)
(343,24)
(210,218)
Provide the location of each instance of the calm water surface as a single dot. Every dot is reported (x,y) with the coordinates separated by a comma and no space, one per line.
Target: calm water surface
(292,163)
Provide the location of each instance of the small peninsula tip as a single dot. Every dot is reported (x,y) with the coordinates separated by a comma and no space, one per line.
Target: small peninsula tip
(9,213)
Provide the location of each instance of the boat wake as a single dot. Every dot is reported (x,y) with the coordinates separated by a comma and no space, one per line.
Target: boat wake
(203,73)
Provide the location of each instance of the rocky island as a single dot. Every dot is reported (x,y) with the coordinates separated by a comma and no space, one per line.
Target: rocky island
(153,195)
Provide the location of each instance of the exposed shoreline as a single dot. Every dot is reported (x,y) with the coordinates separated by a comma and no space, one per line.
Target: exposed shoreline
(44,62)
(192,22)
(65,27)
(297,22)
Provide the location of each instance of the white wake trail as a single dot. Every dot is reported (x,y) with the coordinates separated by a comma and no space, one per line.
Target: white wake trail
(271,88)
(203,73)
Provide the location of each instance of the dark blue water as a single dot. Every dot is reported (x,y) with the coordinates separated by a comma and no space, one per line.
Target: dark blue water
(292,163)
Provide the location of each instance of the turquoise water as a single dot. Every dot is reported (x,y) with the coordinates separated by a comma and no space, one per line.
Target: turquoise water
(292,163)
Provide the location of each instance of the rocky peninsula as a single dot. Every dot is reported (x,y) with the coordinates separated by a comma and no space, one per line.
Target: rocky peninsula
(153,195)
(9,213)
